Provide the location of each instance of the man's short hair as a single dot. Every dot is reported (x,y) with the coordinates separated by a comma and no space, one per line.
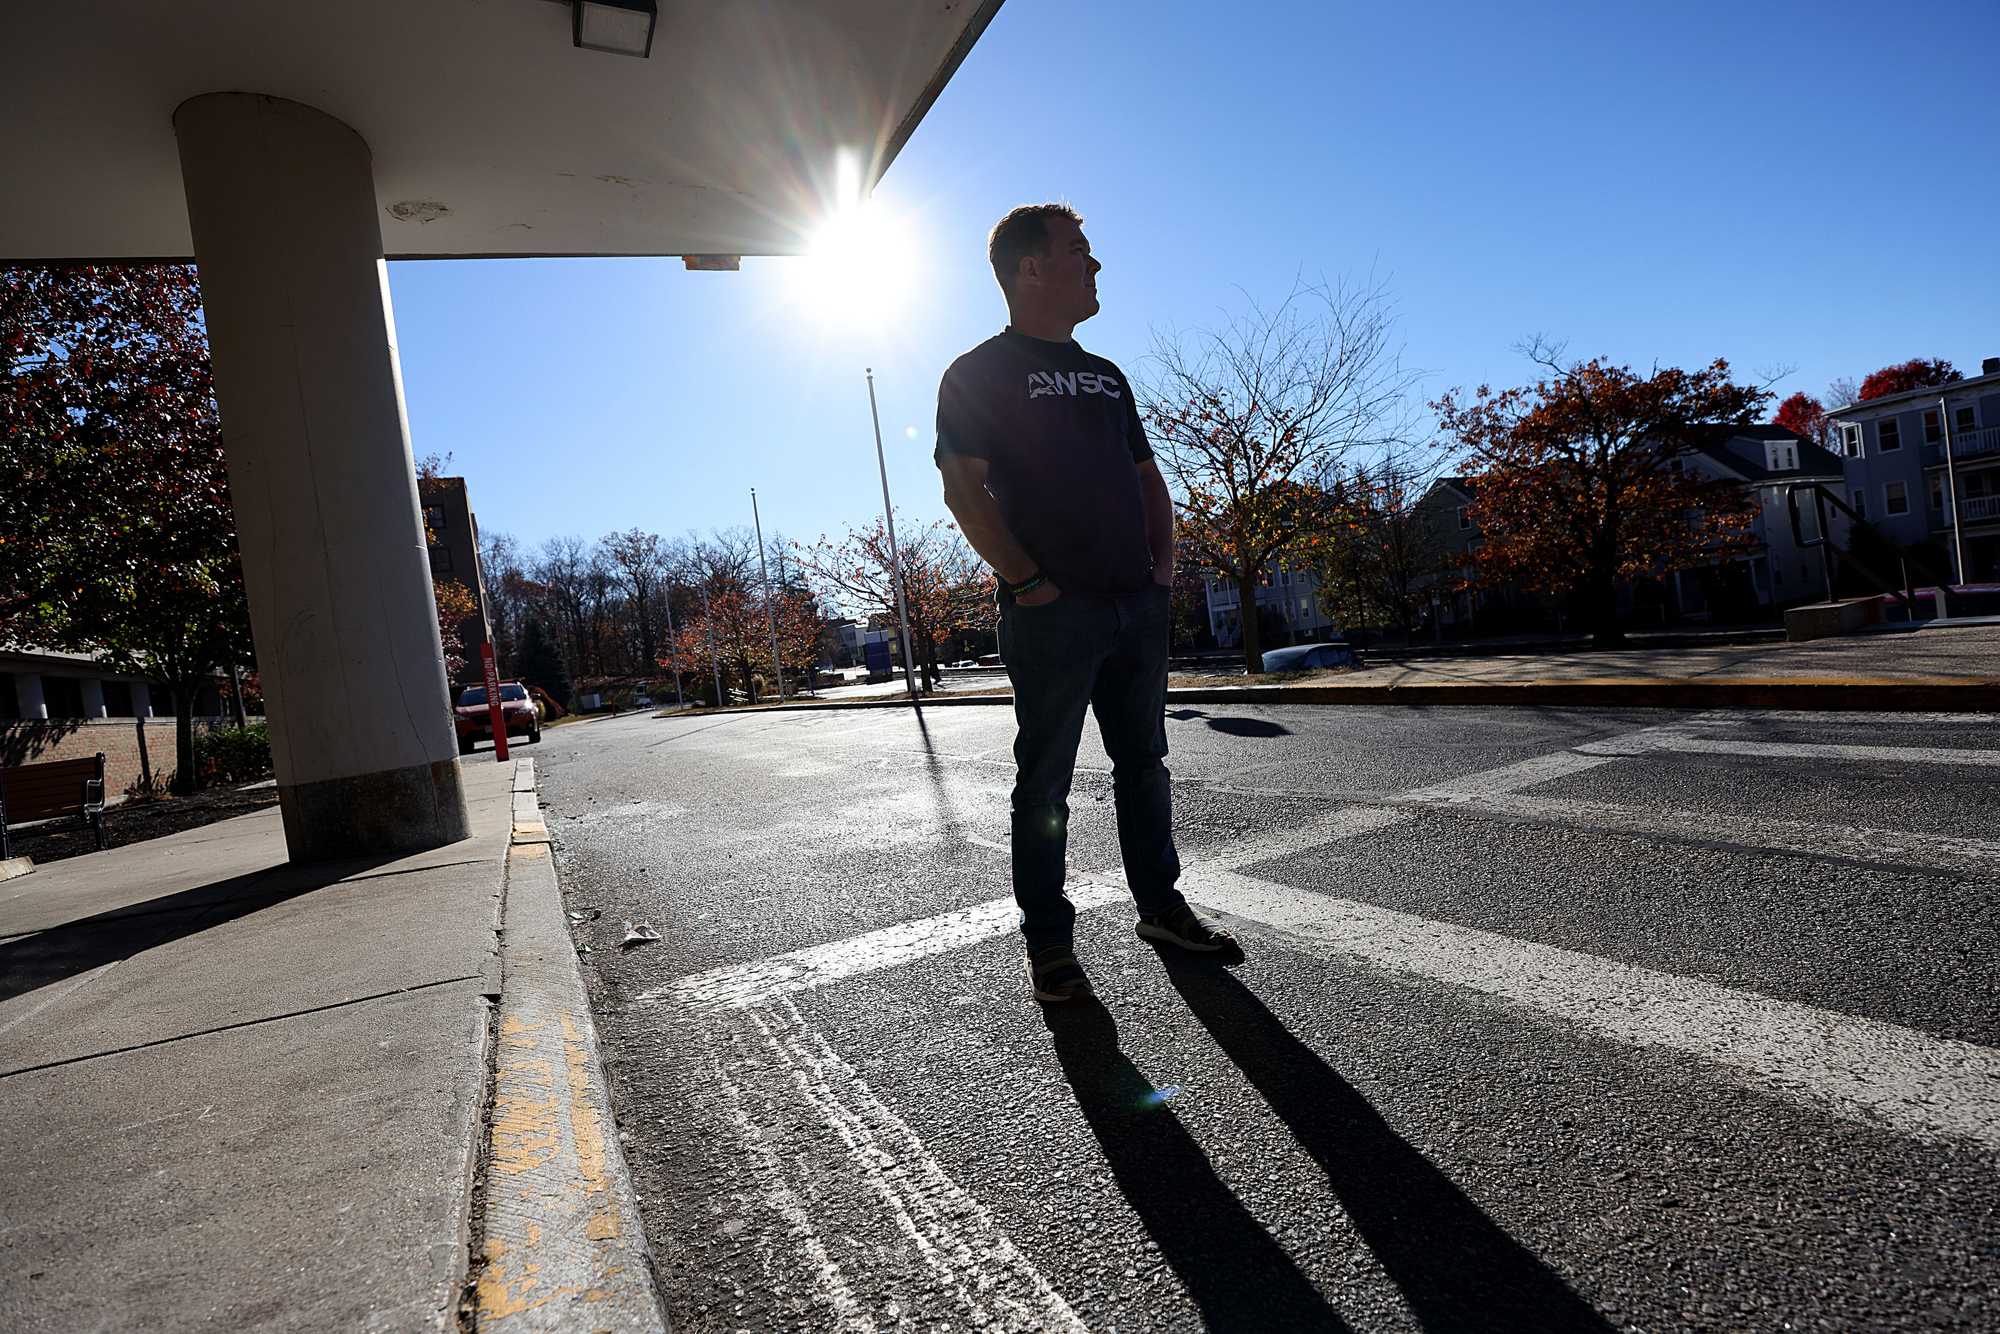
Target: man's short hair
(1023,232)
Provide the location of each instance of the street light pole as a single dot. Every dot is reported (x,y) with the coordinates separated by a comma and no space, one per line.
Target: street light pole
(770,607)
(889,519)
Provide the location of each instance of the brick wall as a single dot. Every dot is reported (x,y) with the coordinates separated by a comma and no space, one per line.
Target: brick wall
(133,748)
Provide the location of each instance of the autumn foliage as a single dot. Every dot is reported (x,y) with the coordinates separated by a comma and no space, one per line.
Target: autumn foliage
(947,587)
(1803,415)
(1577,483)
(1904,376)
(116,533)
(1242,416)
(455,603)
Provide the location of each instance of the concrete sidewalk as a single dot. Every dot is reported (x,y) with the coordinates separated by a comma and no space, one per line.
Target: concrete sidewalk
(1937,653)
(236,1093)
(1938,668)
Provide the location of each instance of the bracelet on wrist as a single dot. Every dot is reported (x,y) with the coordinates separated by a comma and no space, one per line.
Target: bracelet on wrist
(1028,585)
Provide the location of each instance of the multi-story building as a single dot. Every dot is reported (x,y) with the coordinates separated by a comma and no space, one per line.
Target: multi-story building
(1765,460)
(1292,595)
(1893,451)
(453,533)
(1777,570)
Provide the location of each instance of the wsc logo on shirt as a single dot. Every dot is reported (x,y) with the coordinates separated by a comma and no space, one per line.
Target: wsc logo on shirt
(1042,383)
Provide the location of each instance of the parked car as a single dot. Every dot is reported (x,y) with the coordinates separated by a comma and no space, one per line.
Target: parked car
(474,719)
(1307,657)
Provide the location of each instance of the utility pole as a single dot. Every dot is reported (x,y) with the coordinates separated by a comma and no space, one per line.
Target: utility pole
(770,607)
(889,519)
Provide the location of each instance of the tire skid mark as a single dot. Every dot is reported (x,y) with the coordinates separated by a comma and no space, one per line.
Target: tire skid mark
(767,1166)
(957,1239)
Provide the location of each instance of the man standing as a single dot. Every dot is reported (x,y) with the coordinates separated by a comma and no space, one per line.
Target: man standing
(1047,469)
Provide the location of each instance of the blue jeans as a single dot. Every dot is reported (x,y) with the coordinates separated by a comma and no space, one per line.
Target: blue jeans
(1109,654)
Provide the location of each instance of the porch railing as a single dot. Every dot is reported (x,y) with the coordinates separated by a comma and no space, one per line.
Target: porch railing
(1965,445)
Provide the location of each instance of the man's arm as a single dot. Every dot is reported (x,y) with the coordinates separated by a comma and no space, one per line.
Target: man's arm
(978,515)
(1159,504)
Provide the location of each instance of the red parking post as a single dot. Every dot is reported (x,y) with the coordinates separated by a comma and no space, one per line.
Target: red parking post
(493,701)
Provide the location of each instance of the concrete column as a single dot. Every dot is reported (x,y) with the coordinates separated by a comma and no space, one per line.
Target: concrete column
(28,693)
(282,206)
(93,697)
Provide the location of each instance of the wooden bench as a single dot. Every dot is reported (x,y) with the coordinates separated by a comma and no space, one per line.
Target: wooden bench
(51,790)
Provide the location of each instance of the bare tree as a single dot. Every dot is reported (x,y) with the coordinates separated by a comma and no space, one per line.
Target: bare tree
(946,587)
(562,572)
(1244,414)
(716,576)
(507,593)
(640,561)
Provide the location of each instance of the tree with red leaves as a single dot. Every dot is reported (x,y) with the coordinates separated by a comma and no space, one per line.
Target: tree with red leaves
(116,534)
(1577,483)
(1802,414)
(1915,373)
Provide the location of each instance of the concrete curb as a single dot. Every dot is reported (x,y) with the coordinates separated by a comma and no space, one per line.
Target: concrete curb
(562,1245)
(1866,695)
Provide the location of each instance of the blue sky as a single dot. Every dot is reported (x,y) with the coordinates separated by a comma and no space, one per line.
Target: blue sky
(1803,185)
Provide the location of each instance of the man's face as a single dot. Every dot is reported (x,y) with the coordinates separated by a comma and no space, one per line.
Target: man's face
(1066,278)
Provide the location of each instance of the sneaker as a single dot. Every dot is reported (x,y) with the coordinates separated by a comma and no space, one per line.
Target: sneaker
(1055,975)
(1184,928)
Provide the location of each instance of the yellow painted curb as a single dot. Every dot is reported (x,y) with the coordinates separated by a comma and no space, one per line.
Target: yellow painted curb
(562,1244)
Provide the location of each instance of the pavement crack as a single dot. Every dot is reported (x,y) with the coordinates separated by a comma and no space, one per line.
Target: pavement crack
(246,1023)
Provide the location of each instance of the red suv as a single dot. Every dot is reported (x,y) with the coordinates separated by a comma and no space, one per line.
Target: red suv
(475,720)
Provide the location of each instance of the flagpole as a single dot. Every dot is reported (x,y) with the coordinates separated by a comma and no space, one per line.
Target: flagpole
(889,519)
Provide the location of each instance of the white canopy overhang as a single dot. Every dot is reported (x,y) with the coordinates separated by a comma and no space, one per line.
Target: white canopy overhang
(491,134)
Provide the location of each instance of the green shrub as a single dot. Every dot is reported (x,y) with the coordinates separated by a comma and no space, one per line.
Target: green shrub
(227,755)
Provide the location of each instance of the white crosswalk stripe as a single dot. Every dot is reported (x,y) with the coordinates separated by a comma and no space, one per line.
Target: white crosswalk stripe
(1796,750)
(1924,1086)
(1877,1072)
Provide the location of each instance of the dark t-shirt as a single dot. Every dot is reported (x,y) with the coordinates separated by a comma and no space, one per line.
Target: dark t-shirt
(1060,433)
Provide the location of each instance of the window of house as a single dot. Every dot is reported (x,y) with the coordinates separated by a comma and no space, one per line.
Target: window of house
(1850,439)
(1888,435)
(1964,421)
(434,516)
(1933,431)
(117,699)
(1937,494)
(441,560)
(63,695)
(1464,521)
(10,699)
(1861,502)
(1895,498)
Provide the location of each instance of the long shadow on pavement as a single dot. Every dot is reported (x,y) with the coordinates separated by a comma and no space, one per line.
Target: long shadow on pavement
(1237,1274)
(33,961)
(1457,1268)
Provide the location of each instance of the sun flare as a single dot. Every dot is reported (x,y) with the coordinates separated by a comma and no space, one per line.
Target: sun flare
(859,271)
